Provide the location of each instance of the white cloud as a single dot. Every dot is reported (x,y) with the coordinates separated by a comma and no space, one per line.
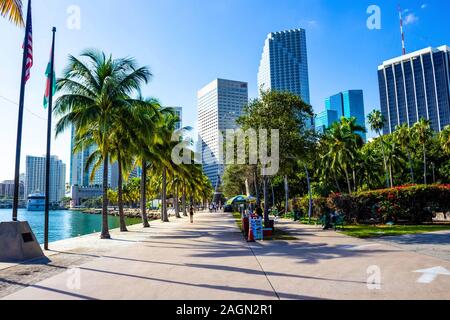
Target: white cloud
(424,6)
(410,19)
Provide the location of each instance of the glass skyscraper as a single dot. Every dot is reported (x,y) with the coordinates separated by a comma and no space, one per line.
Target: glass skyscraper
(284,63)
(81,176)
(415,86)
(347,104)
(220,103)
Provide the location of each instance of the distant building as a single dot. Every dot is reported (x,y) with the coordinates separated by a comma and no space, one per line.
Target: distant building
(347,104)
(284,63)
(416,86)
(81,176)
(220,103)
(82,194)
(7,189)
(325,119)
(179,113)
(35,177)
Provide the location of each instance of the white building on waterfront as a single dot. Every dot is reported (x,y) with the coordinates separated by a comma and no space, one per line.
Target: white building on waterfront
(220,103)
(35,177)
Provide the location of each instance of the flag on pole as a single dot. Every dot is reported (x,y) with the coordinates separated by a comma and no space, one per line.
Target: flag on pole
(29,48)
(53,85)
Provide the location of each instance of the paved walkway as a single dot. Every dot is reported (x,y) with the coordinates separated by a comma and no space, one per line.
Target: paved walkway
(210,260)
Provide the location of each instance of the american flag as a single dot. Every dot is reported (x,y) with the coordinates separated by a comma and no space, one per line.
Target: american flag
(29,48)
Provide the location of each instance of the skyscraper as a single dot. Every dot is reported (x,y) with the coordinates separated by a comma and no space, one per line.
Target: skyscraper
(220,103)
(415,86)
(347,104)
(284,63)
(35,177)
(179,114)
(80,175)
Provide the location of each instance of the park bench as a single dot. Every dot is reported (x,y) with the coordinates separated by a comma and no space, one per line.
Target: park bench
(339,221)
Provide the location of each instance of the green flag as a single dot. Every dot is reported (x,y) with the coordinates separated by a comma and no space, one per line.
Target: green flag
(47,89)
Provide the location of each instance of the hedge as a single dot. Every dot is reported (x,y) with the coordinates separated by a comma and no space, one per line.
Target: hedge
(413,204)
(320,206)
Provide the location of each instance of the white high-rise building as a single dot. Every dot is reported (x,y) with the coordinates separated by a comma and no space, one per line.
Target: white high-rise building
(220,103)
(35,177)
(284,64)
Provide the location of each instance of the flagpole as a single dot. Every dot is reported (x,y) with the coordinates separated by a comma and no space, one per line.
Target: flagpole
(49,137)
(20,121)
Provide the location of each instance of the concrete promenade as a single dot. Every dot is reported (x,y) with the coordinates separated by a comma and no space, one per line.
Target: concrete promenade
(210,260)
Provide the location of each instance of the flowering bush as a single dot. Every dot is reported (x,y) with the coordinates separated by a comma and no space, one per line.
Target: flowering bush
(413,204)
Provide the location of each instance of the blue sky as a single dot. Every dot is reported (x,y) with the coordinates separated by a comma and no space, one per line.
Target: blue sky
(188,43)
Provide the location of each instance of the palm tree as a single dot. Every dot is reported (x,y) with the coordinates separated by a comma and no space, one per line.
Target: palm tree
(95,94)
(444,138)
(377,122)
(394,157)
(423,133)
(13,9)
(403,137)
(123,135)
(344,142)
(163,150)
(148,116)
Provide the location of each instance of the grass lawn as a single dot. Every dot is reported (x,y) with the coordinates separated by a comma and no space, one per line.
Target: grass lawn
(278,235)
(363,231)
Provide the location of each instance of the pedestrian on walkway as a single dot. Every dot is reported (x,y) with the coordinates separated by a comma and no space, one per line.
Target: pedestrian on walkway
(191,214)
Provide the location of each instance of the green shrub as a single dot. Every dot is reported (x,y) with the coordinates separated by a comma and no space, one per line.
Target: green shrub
(320,206)
(413,204)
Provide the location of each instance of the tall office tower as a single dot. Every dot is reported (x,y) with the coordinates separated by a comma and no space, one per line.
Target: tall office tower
(35,177)
(80,175)
(284,63)
(347,104)
(179,113)
(220,103)
(416,86)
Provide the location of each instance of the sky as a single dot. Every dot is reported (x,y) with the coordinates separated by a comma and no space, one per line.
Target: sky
(189,43)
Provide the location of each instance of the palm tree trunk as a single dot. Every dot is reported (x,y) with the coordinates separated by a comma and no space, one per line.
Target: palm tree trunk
(105,228)
(164,216)
(348,181)
(183,201)
(258,198)
(425,165)
(310,210)
(385,162)
(266,203)
(355,187)
(337,182)
(123,225)
(413,180)
(177,207)
(273,194)
(391,175)
(144,195)
(286,193)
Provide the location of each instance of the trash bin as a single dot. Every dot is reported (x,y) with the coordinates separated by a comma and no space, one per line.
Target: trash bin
(271,225)
(245,226)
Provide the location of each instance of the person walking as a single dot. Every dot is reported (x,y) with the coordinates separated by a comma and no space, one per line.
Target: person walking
(191,214)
